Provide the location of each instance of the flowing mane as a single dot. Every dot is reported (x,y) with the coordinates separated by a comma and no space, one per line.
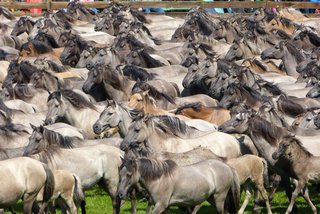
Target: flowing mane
(138,74)
(296,141)
(170,126)
(39,47)
(10,129)
(260,126)
(152,91)
(151,169)
(24,90)
(46,155)
(77,100)
(295,52)
(56,138)
(289,107)
(44,37)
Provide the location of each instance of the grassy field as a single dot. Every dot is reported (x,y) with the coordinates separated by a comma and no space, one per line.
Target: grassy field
(98,202)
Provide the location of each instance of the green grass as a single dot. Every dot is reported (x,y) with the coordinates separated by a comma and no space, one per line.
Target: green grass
(98,202)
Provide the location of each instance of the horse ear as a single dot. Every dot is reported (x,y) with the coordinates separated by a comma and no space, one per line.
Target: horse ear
(32,126)
(145,93)
(41,128)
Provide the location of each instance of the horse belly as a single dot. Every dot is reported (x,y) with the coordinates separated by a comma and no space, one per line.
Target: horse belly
(192,189)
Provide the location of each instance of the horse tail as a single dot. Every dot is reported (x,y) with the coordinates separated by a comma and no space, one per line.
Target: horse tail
(49,184)
(265,173)
(234,193)
(177,88)
(78,194)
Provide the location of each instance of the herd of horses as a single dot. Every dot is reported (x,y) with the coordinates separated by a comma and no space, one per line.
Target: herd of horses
(178,111)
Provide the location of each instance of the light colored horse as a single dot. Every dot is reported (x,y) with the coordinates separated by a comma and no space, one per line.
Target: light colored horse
(206,177)
(92,164)
(163,137)
(22,179)
(67,189)
(248,167)
(74,108)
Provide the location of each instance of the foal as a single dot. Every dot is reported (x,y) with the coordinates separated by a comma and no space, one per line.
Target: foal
(303,167)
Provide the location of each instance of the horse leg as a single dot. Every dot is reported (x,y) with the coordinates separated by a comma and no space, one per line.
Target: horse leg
(247,198)
(286,182)
(134,201)
(219,201)
(300,185)
(159,208)
(196,209)
(274,185)
(264,195)
(28,200)
(306,196)
(150,202)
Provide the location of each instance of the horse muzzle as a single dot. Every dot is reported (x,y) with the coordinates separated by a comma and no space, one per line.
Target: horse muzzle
(121,195)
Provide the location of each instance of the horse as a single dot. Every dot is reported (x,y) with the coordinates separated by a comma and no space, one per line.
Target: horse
(92,164)
(27,93)
(47,39)
(49,65)
(242,49)
(262,67)
(140,57)
(72,50)
(289,54)
(106,56)
(117,86)
(153,173)
(44,136)
(67,189)
(43,79)
(15,116)
(31,176)
(168,102)
(115,115)
(23,25)
(161,136)
(306,40)
(238,92)
(302,164)
(73,108)
(224,30)
(36,48)
(215,115)
(19,72)
(248,167)
(282,23)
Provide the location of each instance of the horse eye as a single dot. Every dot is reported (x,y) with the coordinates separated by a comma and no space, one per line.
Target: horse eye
(139,100)
(235,47)
(110,113)
(309,118)
(136,129)
(276,47)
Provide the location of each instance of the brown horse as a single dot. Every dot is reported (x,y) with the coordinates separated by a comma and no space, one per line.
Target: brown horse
(215,115)
(262,67)
(36,48)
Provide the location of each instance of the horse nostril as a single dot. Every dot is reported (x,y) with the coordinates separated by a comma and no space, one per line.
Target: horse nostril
(120,195)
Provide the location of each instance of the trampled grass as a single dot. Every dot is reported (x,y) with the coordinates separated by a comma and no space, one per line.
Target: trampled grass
(98,202)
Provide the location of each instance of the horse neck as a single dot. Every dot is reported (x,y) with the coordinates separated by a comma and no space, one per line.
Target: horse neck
(122,94)
(125,122)
(51,83)
(145,38)
(79,117)
(290,63)
(150,108)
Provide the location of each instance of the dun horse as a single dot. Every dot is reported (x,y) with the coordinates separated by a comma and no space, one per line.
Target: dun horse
(155,174)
